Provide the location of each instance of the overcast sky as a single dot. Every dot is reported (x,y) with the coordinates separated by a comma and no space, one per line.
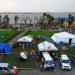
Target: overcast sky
(37,5)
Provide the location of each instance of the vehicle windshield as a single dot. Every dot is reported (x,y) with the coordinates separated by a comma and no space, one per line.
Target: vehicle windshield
(65,61)
(10,66)
(50,62)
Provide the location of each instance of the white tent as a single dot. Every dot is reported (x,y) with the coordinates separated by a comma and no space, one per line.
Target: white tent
(26,39)
(46,46)
(64,37)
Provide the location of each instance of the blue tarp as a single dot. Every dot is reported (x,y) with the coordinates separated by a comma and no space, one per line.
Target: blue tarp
(61,43)
(5,47)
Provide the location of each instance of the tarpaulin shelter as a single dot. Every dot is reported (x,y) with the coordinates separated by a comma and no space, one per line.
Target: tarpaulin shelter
(26,41)
(61,43)
(46,46)
(4,47)
(65,37)
(28,38)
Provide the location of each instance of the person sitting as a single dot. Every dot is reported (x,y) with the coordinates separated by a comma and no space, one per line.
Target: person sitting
(33,54)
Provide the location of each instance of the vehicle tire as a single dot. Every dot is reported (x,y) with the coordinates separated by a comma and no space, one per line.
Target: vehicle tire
(10,74)
(52,68)
(41,69)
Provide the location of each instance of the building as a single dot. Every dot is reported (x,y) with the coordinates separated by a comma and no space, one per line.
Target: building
(66,24)
(73,25)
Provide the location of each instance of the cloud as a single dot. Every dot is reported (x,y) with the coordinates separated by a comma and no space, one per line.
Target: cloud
(7,5)
(37,5)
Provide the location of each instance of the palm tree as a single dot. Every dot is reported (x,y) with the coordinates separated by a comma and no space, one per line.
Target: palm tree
(61,21)
(16,18)
(35,20)
(70,19)
(0,20)
(44,14)
(25,20)
(41,22)
(6,21)
(50,18)
(30,20)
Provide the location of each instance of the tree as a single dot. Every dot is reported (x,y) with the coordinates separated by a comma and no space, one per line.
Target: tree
(6,21)
(70,19)
(50,18)
(30,20)
(25,19)
(41,22)
(35,19)
(44,14)
(61,21)
(0,20)
(44,17)
(46,20)
(16,18)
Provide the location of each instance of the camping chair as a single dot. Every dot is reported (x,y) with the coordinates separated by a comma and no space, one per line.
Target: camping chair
(20,59)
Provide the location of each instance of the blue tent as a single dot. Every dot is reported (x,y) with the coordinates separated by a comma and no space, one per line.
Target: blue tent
(5,47)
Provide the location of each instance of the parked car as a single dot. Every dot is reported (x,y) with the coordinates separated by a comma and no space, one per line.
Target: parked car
(73,59)
(8,68)
(65,62)
(48,62)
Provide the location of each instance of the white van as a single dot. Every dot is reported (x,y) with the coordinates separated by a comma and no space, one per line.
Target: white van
(65,62)
(48,61)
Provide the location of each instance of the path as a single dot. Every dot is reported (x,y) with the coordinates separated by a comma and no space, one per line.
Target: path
(55,72)
(14,40)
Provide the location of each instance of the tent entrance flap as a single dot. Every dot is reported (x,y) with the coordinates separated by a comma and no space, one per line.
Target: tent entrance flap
(70,40)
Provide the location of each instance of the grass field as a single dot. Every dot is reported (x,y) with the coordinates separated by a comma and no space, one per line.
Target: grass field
(7,35)
(47,33)
(13,59)
(69,52)
(31,63)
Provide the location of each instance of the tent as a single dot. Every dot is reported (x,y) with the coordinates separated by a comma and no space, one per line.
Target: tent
(46,46)
(26,39)
(65,37)
(5,47)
